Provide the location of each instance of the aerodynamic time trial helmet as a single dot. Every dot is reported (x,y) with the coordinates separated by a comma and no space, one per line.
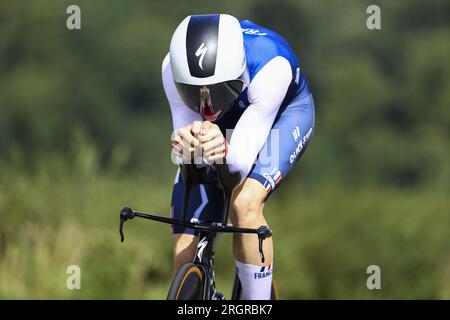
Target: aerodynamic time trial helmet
(207,58)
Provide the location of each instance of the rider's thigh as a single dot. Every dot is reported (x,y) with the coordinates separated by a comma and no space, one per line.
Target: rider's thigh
(287,141)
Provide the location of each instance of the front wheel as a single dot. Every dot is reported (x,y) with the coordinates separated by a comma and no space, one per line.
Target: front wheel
(187,284)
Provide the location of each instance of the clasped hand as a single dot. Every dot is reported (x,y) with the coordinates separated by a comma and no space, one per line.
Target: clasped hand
(199,139)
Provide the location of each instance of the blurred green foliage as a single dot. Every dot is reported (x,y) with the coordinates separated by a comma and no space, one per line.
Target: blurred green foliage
(84,130)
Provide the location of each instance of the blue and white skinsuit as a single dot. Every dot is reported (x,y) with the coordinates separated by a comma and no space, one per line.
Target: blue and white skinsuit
(272,121)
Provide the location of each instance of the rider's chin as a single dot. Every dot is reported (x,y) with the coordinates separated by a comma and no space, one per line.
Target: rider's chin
(211,117)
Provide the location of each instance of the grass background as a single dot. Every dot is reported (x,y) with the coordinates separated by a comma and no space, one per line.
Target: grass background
(324,240)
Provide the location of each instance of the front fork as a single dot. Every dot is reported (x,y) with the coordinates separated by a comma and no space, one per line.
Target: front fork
(204,257)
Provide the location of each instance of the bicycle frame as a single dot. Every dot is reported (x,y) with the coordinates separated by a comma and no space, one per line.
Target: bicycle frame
(207,233)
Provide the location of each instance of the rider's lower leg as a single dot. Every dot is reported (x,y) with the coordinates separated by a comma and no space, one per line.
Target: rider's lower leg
(247,212)
(184,247)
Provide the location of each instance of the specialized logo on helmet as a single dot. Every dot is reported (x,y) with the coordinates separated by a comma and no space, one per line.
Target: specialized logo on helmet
(202,36)
(201,51)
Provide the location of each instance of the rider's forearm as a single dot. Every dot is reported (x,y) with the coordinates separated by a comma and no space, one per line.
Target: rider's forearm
(266,93)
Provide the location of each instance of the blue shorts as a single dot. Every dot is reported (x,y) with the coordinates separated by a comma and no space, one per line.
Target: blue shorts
(288,139)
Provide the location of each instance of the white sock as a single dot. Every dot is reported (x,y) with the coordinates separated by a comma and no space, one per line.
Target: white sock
(256,281)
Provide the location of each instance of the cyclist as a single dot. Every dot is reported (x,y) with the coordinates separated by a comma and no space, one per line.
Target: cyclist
(223,74)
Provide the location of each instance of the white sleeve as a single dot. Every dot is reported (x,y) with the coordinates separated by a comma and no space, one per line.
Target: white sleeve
(265,93)
(181,114)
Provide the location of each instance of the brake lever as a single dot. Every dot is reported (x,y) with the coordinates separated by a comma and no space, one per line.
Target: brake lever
(125,214)
(263,232)
(261,252)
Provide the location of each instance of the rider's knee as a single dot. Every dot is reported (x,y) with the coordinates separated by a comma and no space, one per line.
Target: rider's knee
(246,208)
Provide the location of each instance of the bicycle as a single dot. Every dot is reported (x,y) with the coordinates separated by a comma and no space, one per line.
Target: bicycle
(196,280)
